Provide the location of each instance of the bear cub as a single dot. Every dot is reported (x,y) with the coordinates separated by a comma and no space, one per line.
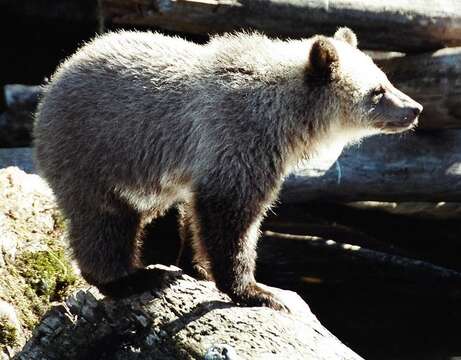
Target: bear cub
(137,122)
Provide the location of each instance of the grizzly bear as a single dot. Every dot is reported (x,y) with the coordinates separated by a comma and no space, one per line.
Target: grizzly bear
(137,122)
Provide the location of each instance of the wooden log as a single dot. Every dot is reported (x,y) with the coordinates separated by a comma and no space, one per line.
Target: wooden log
(16,123)
(185,320)
(411,167)
(188,320)
(20,97)
(434,80)
(424,210)
(407,26)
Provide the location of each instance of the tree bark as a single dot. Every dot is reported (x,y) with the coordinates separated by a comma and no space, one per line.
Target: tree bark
(187,320)
(426,25)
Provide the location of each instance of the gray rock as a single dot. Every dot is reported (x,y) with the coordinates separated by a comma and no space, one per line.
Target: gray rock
(221,352)
(200,323)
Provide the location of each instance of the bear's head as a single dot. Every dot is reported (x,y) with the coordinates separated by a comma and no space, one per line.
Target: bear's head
(361,94)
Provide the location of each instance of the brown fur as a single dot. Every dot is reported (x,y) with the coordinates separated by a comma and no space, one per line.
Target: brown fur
(135,123)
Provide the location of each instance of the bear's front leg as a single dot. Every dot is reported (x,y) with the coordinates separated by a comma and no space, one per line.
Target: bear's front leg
(228,222)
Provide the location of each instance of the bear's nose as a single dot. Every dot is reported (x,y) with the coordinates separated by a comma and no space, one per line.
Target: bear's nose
(416,109)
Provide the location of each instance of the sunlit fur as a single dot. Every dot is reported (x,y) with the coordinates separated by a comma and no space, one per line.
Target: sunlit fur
(136,122)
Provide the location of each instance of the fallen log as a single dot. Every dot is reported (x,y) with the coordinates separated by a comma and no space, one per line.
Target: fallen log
(424,210)
(426,25)
(434,81)
(411,167)
(368,303)
(20,97)
(187,320)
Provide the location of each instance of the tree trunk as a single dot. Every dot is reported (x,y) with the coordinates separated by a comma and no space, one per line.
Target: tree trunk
(426,25)
(188,320)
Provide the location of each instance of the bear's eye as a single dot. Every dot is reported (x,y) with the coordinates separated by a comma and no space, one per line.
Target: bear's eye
(377,93)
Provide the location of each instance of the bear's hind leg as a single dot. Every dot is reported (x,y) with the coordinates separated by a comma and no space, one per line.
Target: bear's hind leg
(192,253)
(105,245)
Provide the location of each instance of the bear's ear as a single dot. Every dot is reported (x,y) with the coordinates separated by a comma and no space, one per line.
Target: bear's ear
(347,35)
(323,57)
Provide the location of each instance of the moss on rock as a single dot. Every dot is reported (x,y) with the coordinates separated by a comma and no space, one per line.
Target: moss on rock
(36,270)
(47,272)
(8,334)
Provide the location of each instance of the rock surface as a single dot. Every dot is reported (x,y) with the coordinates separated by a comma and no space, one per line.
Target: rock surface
(188,320)
(34,270)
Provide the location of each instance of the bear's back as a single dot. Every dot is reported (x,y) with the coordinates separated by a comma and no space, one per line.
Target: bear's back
(131,106)
(106,104)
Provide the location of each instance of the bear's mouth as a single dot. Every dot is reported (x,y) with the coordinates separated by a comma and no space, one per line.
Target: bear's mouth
(393,127)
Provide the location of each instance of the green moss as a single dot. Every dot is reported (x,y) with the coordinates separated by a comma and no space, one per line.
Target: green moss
(8,334)
(48,273)
(34,279)
(59,221)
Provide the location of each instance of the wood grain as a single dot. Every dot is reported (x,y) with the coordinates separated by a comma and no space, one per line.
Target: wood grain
(401,25)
